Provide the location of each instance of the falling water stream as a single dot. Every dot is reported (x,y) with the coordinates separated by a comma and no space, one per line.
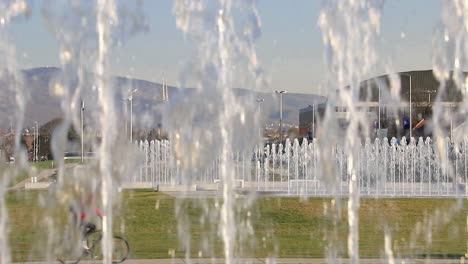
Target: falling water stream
(87,33)
(12,90)
(224,49)
(350,29)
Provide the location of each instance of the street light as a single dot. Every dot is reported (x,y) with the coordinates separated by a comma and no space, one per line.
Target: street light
(259,101)
(410,117)
(130,98)
(125,106)
(452,108)
(429,92)
(36,139)
(379,108)
(281,114)
(38,142)
(82,130)
(34,143)
(313,121)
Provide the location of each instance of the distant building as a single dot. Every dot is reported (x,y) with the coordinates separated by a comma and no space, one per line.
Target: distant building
(376,100)
(309,118)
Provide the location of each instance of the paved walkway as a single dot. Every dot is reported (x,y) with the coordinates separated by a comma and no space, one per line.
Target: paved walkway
(42,176)
(277,261)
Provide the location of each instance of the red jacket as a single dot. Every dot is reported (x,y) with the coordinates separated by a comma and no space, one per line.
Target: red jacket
(83,215)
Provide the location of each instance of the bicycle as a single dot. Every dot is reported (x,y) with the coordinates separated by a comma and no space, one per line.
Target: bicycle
(121,249)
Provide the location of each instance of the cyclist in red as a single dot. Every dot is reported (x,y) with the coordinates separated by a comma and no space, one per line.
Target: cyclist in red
(81,217)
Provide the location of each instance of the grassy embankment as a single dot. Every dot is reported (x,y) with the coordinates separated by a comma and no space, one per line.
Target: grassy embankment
(284,227)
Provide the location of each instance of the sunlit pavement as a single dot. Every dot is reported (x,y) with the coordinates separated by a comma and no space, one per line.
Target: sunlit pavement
(276,261)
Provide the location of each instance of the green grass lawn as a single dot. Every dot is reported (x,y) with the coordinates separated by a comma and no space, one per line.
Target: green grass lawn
(282,227)
(50,164)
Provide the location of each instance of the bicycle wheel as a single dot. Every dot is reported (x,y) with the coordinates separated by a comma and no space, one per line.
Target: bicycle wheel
(94,239)
(70,248)
(121,250)
(71,257)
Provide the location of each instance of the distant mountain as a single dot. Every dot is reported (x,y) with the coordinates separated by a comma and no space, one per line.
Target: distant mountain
(44,97)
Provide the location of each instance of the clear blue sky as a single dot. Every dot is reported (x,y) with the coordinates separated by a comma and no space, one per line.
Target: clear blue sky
(290,48)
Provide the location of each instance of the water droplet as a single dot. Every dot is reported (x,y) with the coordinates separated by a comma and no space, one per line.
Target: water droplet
(58,89)
(457,63)
(19,7)
(84,21)
(65,55)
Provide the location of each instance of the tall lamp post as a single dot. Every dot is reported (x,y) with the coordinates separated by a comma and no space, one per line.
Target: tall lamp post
(259,101)
(429,92)
(313,121)
(452,109)
(410,105)
(34,144)
(36,139)
(379,109)
(130,98)
(82,130)
(281,114)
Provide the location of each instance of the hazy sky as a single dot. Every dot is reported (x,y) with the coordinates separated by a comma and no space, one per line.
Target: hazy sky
(290,48)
